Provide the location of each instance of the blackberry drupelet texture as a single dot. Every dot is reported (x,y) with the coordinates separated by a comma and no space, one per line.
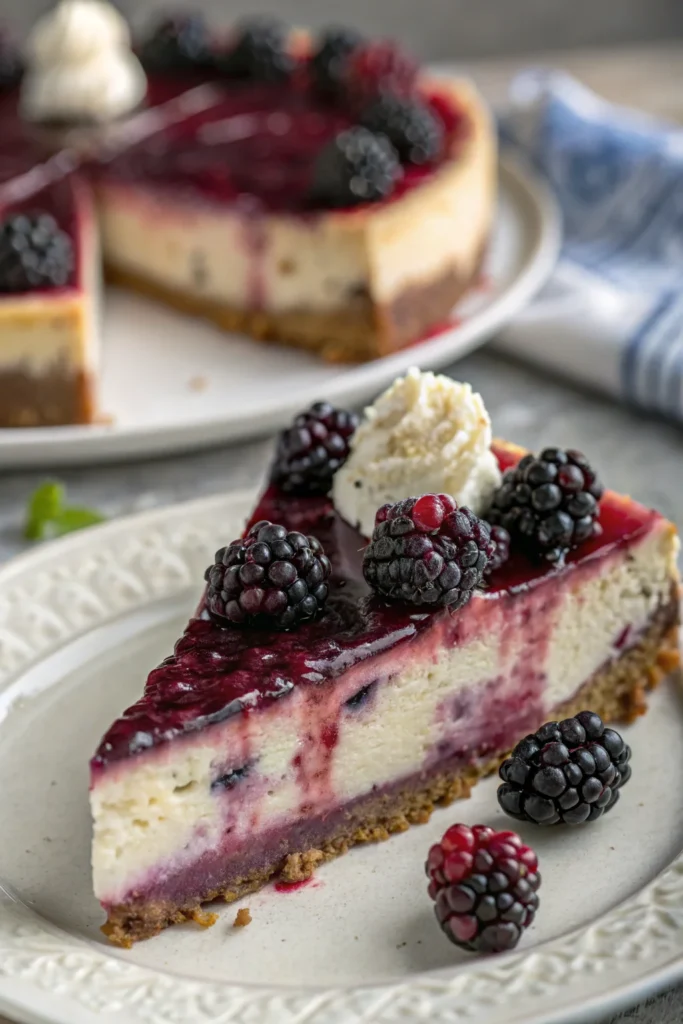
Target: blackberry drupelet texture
(427,551)
(413,129)
(357,166)
(548,503)
(484,884)
(271,577)
(179,42)
(500,539)
(34,253)
(310,452)
(329,60)
(566,772)
(11,63)
(260,52)
(378,68)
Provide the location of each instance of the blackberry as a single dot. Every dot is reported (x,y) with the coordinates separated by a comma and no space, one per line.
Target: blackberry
(548,503)
(500,539)
(484,884)
(411,127)
(378,68)
(568,771)
(271,577)
(11,64)
(427,551)
(34,253)
(329,60)
(355,167)
(310,452)
(260,52)
(179,42)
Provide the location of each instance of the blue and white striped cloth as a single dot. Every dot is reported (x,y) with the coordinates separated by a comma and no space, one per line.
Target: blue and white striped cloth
(612,314)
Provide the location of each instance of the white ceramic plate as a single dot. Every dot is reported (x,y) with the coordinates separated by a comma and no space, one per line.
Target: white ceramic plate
(81,622)
(172,383)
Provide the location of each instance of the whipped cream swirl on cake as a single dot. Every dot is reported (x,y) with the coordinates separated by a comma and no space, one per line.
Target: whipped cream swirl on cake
(425,434)
(81,65)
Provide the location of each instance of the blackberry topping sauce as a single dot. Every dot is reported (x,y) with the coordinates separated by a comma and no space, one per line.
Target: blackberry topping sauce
(216,672)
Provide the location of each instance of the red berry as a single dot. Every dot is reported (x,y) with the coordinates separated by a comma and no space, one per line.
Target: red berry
(428,513)
(458,837)
(484,885)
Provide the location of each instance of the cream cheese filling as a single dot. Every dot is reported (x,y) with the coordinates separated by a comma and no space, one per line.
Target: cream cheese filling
(158,812)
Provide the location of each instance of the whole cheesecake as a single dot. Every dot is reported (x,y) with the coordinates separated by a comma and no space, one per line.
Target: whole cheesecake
(259,752)
(217,218)
(320,192)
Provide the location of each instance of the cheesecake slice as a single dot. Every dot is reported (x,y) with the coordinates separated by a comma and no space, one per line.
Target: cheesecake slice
(215,217)
(50,333)
(256,753)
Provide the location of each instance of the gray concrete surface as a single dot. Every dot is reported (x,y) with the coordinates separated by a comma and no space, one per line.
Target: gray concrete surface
(439,29)
(634,454)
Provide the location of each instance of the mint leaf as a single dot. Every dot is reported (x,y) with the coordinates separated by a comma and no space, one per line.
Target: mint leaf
(74,518)
(49,516)
(44,505)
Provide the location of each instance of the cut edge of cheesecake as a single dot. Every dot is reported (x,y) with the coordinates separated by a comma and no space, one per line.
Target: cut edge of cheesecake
(617,693)
(411,259)
(50,339)
(633,651)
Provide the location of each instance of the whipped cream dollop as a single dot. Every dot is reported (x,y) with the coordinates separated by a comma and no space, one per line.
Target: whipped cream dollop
(81,66)
(425,434)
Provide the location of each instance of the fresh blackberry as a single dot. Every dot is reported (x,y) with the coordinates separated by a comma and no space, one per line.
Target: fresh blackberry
(427,551)
(484,884)
(568,771)
(548,503)
(500,539)
(179,42)
(34,253)
(310,452)
(329,59)
(260,52)
(11,64)
(271,577)
(411,127)
(378,68)
(355,167)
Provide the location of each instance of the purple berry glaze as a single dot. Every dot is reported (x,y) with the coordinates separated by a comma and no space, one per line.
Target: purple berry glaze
(256,147)
(217,672)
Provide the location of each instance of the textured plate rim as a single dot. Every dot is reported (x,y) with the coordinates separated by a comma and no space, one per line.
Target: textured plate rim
(46,975)
(80,444)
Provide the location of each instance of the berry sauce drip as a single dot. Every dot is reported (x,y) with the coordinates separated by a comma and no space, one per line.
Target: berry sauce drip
(216,672)
(257,146)
(485,887)
(567,772)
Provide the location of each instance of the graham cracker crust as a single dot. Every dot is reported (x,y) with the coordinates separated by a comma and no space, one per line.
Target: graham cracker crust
(616,692)
(59,397)
(358,332)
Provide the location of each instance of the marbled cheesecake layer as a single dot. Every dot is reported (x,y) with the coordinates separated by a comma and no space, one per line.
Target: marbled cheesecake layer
(206,785)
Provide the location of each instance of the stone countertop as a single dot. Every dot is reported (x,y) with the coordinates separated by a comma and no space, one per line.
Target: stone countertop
(634,454)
